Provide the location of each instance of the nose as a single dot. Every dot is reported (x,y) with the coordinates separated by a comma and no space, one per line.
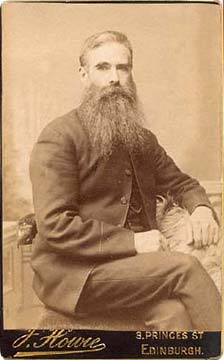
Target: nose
(114,77)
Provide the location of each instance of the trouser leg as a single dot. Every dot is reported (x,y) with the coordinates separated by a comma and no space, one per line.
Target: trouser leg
(139,282)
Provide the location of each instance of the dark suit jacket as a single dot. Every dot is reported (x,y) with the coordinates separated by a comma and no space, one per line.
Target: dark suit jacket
(81,203)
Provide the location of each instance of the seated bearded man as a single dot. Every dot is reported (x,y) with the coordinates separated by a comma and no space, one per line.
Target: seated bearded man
(96,172)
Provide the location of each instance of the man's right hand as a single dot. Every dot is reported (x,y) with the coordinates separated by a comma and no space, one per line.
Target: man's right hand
(149,241)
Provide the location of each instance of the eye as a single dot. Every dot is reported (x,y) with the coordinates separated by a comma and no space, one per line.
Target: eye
(123,67)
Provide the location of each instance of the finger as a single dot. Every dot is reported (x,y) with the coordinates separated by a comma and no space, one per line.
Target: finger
(197,235)
(216,235)
(204,233)
(213,232)
(189,230)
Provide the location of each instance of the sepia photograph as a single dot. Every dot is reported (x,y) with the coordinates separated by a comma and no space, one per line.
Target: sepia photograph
(111,136)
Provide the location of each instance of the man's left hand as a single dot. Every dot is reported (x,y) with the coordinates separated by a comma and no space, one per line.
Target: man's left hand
(205,229)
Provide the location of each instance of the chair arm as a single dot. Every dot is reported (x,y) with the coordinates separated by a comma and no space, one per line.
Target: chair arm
(26,230)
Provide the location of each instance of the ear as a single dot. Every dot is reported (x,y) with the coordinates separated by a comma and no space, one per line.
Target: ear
(83,74)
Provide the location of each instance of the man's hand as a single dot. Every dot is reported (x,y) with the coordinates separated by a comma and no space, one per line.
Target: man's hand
(149,241)
(204,228)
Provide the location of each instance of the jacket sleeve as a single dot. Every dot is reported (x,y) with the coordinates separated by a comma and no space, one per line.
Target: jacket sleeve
(55,182)
(171,180)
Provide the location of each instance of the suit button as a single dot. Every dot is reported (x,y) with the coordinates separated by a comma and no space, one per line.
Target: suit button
(128,172)
(124,200)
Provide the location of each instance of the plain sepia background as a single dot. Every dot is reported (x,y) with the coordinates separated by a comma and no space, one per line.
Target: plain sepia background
(177,69)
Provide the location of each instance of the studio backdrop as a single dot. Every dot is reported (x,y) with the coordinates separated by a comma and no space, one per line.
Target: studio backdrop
(177,69)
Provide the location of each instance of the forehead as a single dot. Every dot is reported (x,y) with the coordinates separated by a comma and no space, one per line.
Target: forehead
(111,52)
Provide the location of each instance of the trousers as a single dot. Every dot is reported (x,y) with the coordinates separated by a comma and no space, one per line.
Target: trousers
(138,284)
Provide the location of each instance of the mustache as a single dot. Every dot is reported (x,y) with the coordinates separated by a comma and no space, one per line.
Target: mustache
(112,92)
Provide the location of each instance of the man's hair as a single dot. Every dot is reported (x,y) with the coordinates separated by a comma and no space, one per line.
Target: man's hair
(101,38)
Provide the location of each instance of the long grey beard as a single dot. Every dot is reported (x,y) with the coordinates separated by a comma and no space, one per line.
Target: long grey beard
(112,117)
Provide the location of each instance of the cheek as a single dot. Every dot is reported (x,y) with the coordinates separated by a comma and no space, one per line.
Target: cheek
(98,79)
(125,78)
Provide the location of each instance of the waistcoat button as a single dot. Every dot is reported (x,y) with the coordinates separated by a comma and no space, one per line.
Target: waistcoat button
(124,200)
(127,172)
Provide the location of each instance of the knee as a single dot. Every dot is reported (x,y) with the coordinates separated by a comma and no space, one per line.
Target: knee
(190,264)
